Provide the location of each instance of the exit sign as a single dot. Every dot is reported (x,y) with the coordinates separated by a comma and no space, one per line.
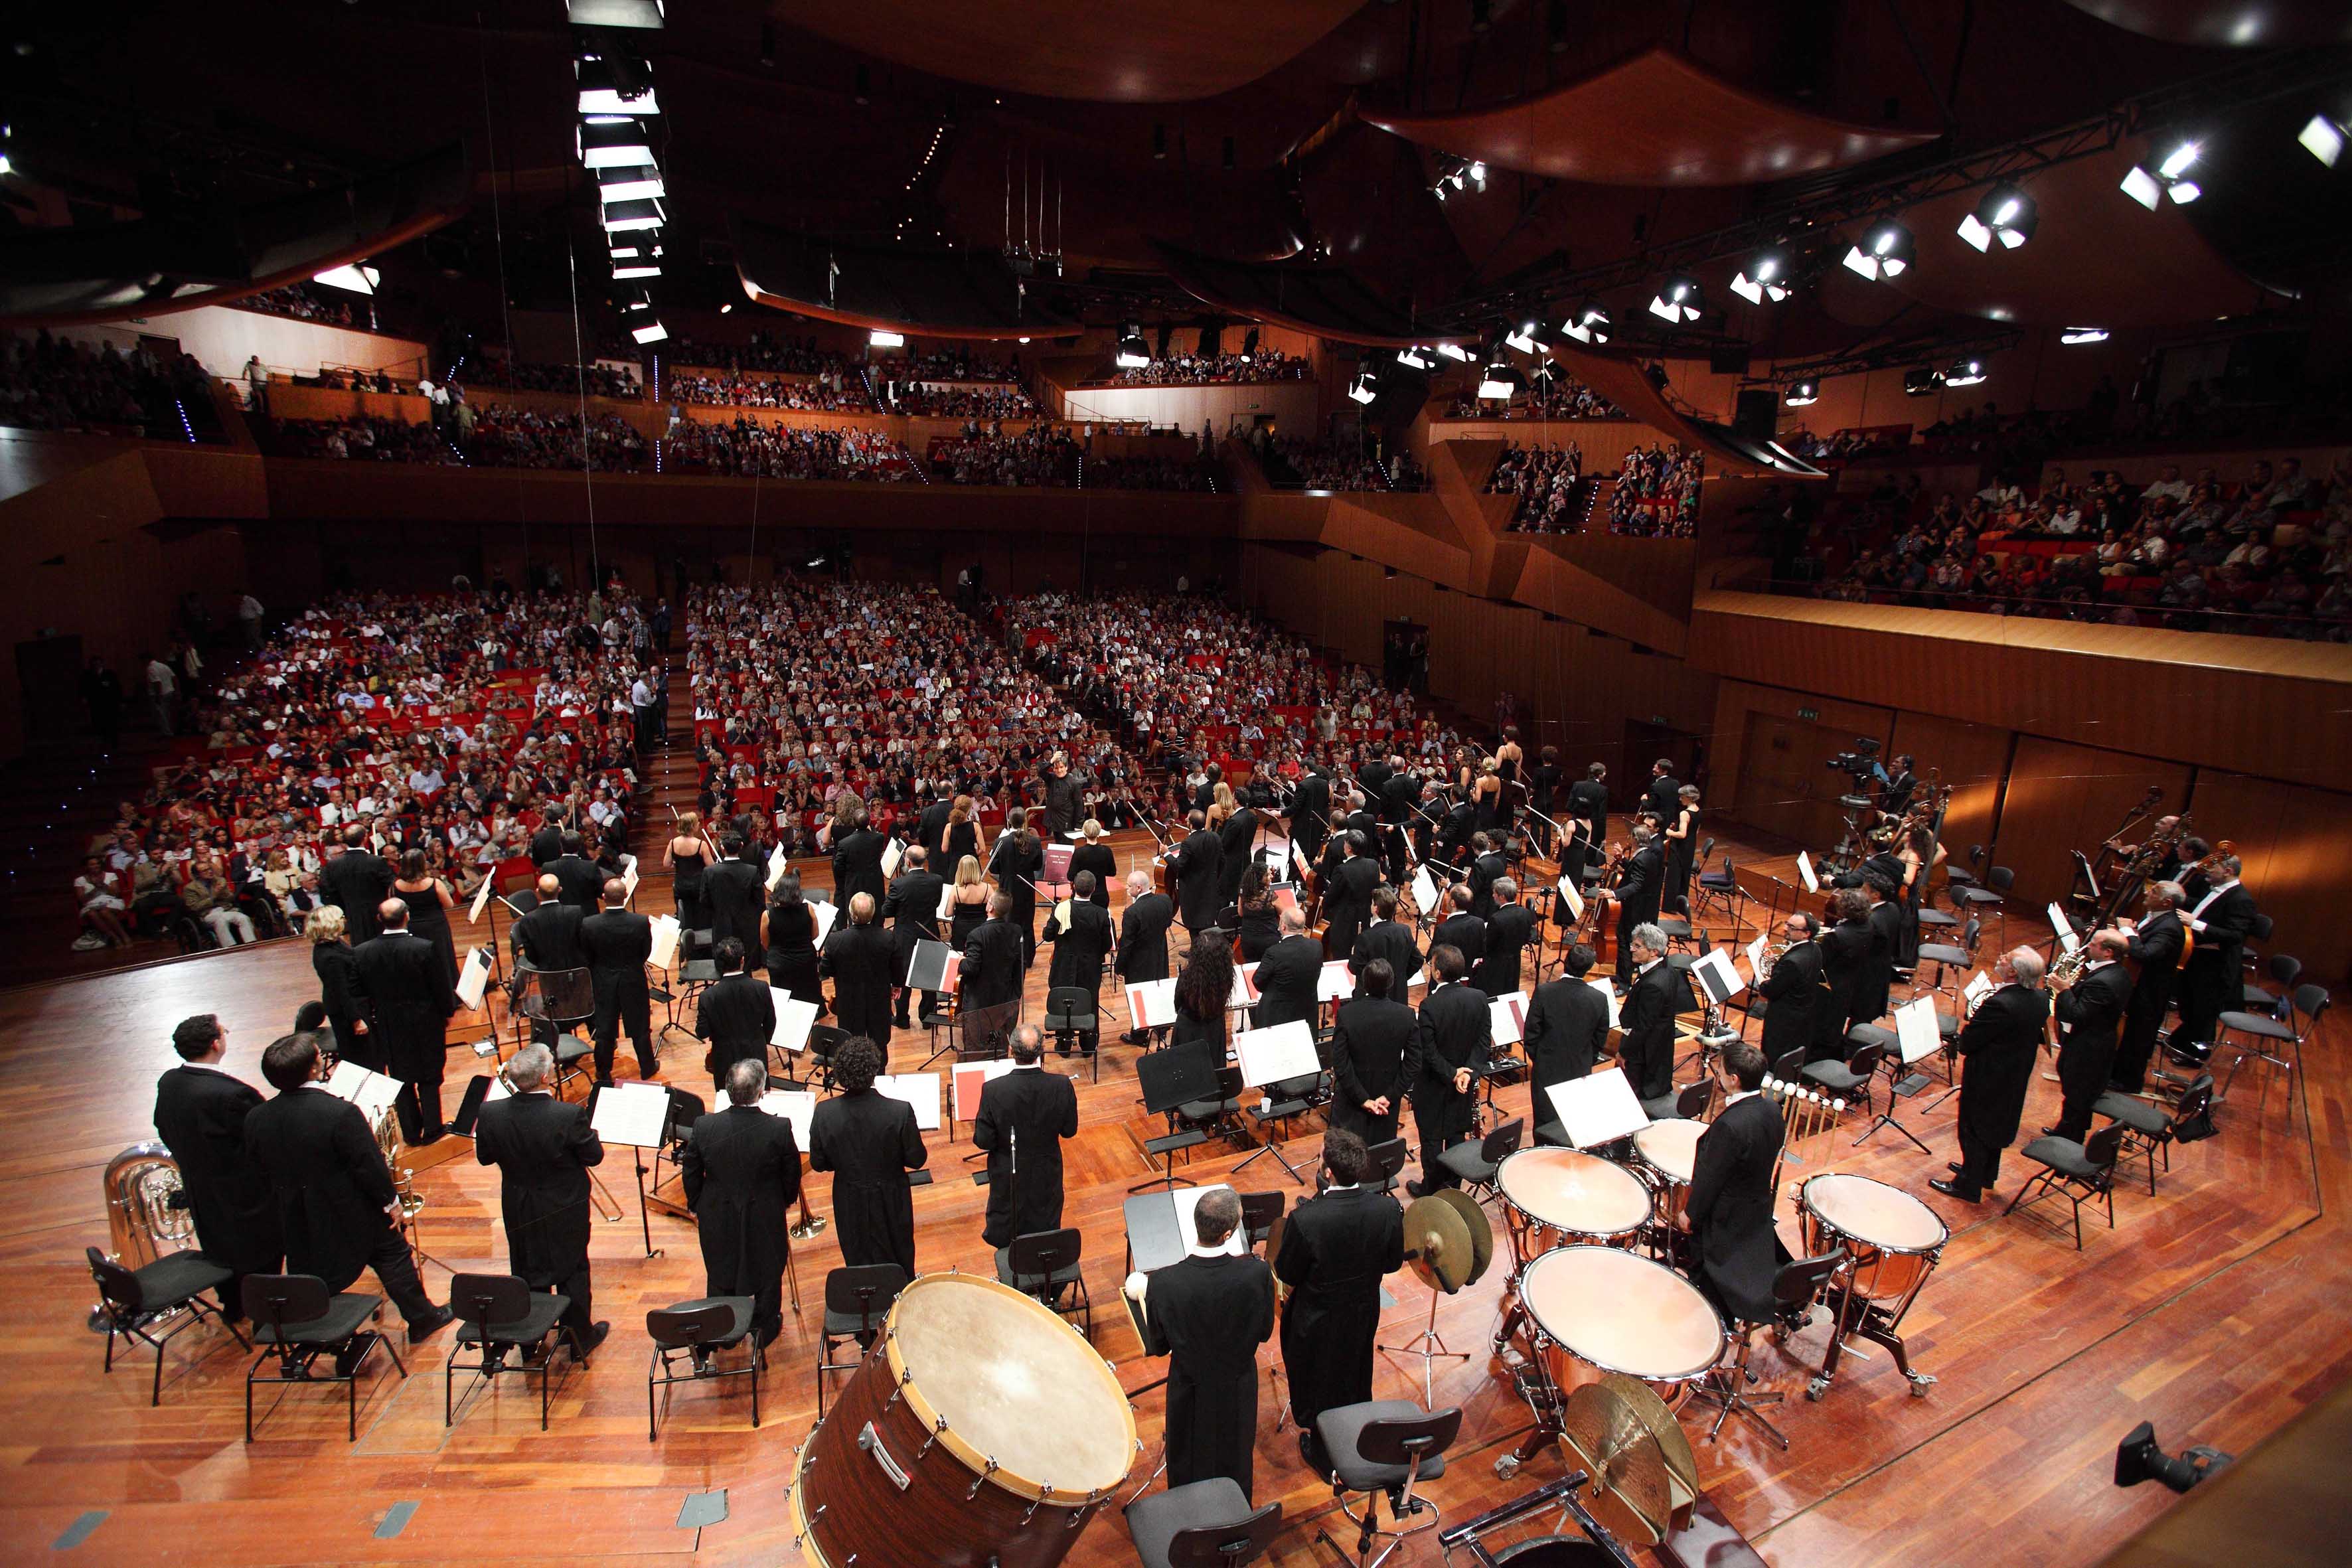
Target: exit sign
(1809,713)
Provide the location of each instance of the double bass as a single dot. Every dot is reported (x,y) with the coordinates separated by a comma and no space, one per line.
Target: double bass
(1602,933)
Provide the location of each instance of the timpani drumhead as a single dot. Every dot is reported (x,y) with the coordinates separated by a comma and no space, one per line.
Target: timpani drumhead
(1575,1192)
(1671,1146)
(1016,1383)
(1621,1312)
(1887,1217)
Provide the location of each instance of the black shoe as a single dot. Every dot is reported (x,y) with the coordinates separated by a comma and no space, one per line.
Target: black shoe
(426,1328)
(1132,1037)
(433,1134)
(900,1023)
(1310,1449)
(597,1335)
(1418,1190)
(1956,1167)
(604,1083)
(1952,1190)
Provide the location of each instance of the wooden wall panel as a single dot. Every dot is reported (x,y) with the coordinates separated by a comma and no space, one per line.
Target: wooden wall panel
(1784,787)
(2296,845)
(2064,797)
(1735,700)
(1974,760)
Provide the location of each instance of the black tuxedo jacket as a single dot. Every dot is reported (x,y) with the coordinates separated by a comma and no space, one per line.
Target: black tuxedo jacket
(1567,1028)
(580,883)
(543,1147)
(398,978)
(1647,1018)
(1391,939)
(1375,1051)
(1456,1031)
(617,943)
(1079,952)
(991,974)
(549,938)
(1730,1205)
(738,1017)
(1794,1000)
(1510,931)
(1023,1117)
(356,882)
(1464,931)
(200,1111)
(326,1176)
(1286,980)
(1198,875)
(1143,938)
(741,1170)
(1999,1044)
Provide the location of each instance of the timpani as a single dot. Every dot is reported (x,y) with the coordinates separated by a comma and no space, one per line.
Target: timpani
(1892,1243)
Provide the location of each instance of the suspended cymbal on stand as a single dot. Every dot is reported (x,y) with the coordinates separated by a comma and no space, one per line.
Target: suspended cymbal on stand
(1621,1440)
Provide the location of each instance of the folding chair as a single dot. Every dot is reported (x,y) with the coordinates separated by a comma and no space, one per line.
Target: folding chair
(1475,1165)
(696,1330)
(2150,1130)
(1384,1445)
(499,1314)
(1045,1264)
(134,1304)
(2081,1172)
(297,1321)
(856,1299)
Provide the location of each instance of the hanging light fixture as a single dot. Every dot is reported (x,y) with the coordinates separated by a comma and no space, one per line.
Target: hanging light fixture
(1884,252)
(1765,276)
(1677,299)
(2006,214)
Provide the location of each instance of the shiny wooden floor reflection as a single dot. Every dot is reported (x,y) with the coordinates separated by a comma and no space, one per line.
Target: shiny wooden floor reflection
(2213,1309)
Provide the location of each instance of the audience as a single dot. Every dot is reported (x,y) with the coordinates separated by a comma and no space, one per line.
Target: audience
(1558,398)
(838,390)
(1657,493)
(1338,463)
(747,448)
(1040,455)
(1549,480)
(1200,369)
(62,384)
(304,303)
(602,380)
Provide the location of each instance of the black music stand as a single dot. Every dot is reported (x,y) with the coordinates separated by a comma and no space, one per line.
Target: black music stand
(1170,1078)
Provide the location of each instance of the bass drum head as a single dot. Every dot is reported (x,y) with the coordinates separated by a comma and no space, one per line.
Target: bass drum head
(1555,1551)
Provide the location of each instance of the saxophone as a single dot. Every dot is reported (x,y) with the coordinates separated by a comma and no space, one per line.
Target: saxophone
(144,1218)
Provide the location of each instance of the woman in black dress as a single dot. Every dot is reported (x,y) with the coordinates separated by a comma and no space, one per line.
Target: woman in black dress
(1681,844)
(688,855)
(429,903)
(1016,864)
(970,905)
(1254,915)
(331,962)
(1203,991)
(788,930)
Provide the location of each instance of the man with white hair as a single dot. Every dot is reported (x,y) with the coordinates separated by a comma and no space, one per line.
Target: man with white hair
(742,1171)
(1659,992)
(2001,1042)
(543,1147)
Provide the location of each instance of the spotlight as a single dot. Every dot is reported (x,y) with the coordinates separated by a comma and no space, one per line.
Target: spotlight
(614,144)
(614,86)
(1456,353)
(1133,354)
(643,267)
(621,216)
(1528,339)
(1478,174)
(727,307)
(1589,324)
(357,279)
(2171,177)
(2177,161)
(1883,253)
(614,13)
(2006,214)
(886,340)
(2142,187)
(1497,382)
(1923,381)
(2322,137)
(1966,371)
(1362,389)
(651,333)
(2073,335)
(1415,358)
(1677,299)
(1803,393)
(629,184)
(1765,276)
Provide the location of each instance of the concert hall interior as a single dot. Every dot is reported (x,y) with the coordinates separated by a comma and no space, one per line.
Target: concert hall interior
(1363,780)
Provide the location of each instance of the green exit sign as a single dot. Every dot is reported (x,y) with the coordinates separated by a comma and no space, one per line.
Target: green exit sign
(1809,713)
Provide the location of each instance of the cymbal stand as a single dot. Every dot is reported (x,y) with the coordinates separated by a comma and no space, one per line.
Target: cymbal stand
(1430,1346)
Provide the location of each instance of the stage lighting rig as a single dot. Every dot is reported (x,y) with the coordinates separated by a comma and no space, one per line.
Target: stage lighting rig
(2006,214)
(1884,252)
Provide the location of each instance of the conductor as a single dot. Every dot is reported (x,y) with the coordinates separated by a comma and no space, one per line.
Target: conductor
(742,1171)
(869,1141)
(1023,1116)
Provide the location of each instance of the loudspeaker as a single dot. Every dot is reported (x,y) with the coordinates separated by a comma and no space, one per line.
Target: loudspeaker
(1758,413)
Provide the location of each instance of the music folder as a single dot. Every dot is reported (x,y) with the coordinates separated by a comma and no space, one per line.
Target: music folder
(1915,1032)
(822,914)
(918,1089)
(474,978)
(1276,1053)
(794,1019)
(1712,971)
(1507,1016)
(370,1092)
(931,966)
(1805,872)
(1173,1077)
(892,853)
(1151,1004)
(630,1114)
(1599,1107)
(665,935)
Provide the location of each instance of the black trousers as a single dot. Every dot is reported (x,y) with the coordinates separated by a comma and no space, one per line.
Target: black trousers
(1980,1163)
(581,1315)
(2129,1069)
(637,1011)
(2204,997)
(418,1107)
(931,1004)
(1434,1174)
(396,1271)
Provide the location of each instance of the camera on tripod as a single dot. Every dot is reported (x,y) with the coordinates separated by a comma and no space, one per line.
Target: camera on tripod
(2138,1460)
(1860,763)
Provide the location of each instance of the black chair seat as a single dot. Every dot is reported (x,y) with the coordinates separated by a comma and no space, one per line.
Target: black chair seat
(739,1309)
(1156,1520)
(840,1325)
(1674,926)
(1943,952)
(1340,1430)
(2062,1155)
(1208,1109)
(1976,895)
(172,1278)
(527,1329)
(1717,882)
(2141,1116)
(569,1048)
(344,1316)
(2255,1023)
(1862,1035)
(1834,1075)
(1466,1162)
(1680,960)
(1959,877)
(1281,1109)
(1948,1025)
(1936,918)
(1062,1276)
(698,972)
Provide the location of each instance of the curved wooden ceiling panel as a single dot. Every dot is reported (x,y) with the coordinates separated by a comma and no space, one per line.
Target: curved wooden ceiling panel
(2243,23)
(1654,119)
(1144,51)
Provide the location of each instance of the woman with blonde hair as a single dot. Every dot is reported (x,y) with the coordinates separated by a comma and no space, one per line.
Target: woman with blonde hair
(686,856)
(969,906)
(331,962)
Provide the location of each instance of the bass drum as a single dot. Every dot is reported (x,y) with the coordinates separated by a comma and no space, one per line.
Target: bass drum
(982,1429)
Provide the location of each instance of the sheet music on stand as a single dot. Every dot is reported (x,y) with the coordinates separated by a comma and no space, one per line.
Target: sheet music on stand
(665,934)
(631,1114)
(1278,1052)
(1713,972)
(1755,952)
(1508,1015)
(1568,890)
(1608,995)
(1151,1004)
(1424,890)
(1244,993)
(822,915)
(1599,1107)
(628,878)
(777,866)
(1336,982)
(968,1079)
(2067,940)
(481,899)
(892,853)
(932,966)
(794,1019)
(918,1089)
(1917,1034)
(797,1107)
(1058,864)
(473,978)
(1805,872)
(370,1092)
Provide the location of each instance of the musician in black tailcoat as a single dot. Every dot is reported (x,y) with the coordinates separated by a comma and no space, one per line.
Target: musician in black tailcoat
(1884,917)
(1080,946)
(1310,814)
(2155,949)
(1729,1205)
(1212,1309)
(1638,895)
(543,1148)
(1065,795)
(1400,807)
(546,843)
(1095,856)
(1566,1031)
(1387,937)
(333,1189)
(2090,1015)
(1198,876)
(1659,992)
(1664,799)
(1486,865)
(991,973)
(869,1141)
(618,943)
(1375,1057)
(1587,801)
(1999,1045)
(741,1170)
(1511,931)
(1288,974)
(1235,837)
(200,1114)
(1457,1040)
(356,882)
(932,828)
(1337,1246)
(913,910)
(577,880)
(1023,1117)
(732,893)
(1845,971)
(736,1014)
(546,937)
(1142,952)
(398,978)
(1463,929)
(1794,998)
(2214,982)
(1348,896)
(1455,832)
(860,958)
(856,856)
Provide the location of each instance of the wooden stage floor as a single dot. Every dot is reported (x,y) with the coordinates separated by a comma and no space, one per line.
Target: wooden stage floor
(2215,1309)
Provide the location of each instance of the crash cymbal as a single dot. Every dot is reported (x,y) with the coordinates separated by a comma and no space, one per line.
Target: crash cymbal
(1674,1443)
(1630,1492)
(1482,1229)
(1443,1257)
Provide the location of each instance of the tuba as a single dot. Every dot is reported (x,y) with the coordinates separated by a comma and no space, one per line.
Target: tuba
(144,1217)
(404,1180)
